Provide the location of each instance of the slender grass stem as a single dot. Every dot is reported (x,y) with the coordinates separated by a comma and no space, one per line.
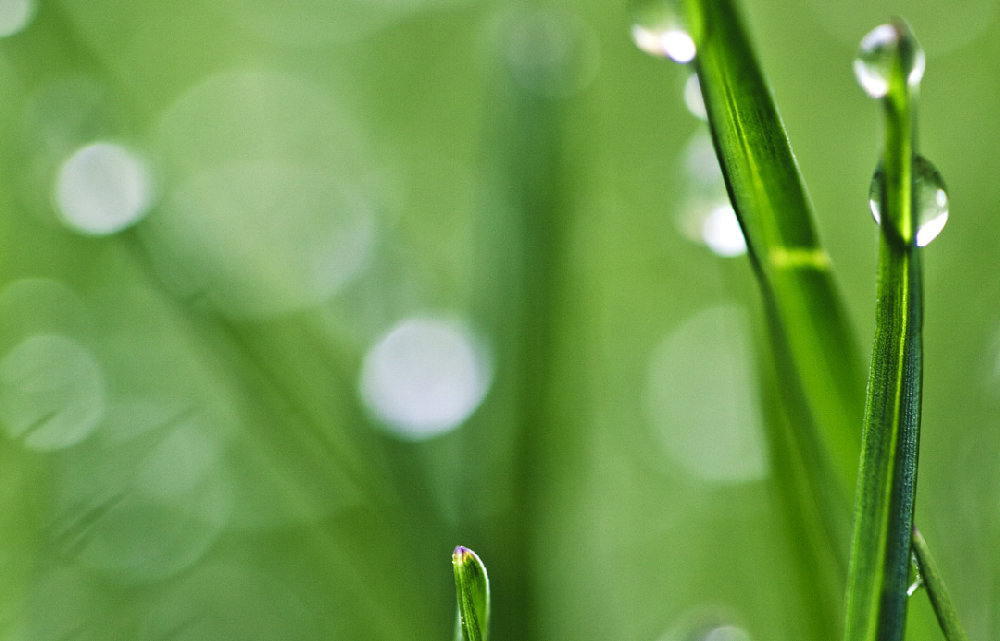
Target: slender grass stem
(940,599)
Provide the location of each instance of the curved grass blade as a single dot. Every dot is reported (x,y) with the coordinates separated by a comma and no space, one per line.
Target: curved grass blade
(770,199)
(880,553)
(814,437)
(936,590)
(473,588)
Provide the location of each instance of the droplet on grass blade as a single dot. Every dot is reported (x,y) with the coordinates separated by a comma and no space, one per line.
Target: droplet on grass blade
(931,199)
(722,233)
(660,29)
(879,49)
(693,98)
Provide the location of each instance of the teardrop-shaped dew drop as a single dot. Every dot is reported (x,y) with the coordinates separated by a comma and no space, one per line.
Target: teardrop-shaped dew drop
(659,28)
(875,57)
(875,191)
(931,199)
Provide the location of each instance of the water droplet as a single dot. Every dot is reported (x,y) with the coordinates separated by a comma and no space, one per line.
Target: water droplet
(722,233)
(102,188)
(660,29)
(693,99)
(878,50)
(425,377)
(931,199)
(15,15)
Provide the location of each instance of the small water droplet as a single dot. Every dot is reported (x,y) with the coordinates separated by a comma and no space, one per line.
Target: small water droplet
(722,233)
(693,99)
(931,199)
(660,29)
(878,50)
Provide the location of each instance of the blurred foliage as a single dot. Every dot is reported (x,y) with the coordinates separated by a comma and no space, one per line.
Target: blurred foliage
(413,273)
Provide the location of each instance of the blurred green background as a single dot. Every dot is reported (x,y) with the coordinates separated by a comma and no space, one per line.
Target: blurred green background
(297,295)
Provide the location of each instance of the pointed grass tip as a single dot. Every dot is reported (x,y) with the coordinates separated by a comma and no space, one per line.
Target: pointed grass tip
(473,588)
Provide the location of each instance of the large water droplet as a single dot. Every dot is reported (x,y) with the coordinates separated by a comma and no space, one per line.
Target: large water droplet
(931,199)
(660,29)
(878,50)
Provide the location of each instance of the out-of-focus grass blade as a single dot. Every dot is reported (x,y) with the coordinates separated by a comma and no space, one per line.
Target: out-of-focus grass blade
(936,590)
(815,443)
(473,588)
(880,554)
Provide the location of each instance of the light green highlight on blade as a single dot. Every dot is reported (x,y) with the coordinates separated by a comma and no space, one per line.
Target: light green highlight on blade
(799,258)
(472,586)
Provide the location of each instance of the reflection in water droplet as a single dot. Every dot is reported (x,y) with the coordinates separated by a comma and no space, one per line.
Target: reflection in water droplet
(727,633)
(875,58)
(659,28)
(102,188)
(425,377)
(722,233)
(552,53)
(51,392)
(931,199)
(15,16)
(703,401)
(693,98)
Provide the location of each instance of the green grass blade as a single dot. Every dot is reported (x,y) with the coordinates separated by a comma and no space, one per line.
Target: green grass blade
(473,588)
(936,590)
(880,554)
(813,437)
(770,199)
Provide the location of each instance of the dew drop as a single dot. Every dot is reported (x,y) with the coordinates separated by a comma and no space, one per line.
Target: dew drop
(931,199)
(878,50)
(425,377)
(102,188)
(722,233)
(659,29)
(693,99)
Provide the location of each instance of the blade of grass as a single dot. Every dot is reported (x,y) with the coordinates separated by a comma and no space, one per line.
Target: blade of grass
(813,435)
(936,590)
(472,586)
(770,199)
(880,554)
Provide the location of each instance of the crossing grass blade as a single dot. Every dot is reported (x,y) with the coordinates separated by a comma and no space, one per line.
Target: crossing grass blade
(880,553)
(473,588)
(936,590)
